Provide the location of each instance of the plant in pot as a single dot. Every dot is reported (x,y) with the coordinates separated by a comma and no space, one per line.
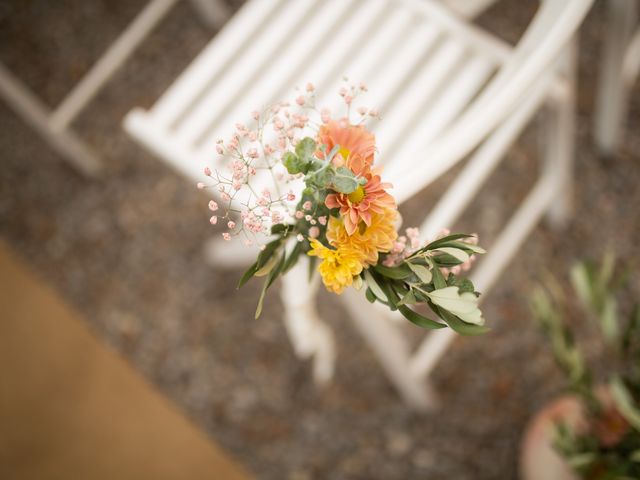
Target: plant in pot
(594,431)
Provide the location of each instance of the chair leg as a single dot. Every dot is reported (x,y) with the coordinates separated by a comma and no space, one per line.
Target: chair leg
(559,141)
(310,336)
(36,114)
(214,12)
(391,350)
(611,100)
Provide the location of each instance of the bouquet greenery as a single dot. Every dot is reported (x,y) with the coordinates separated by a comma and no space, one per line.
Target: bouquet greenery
(607,444)
(303,184)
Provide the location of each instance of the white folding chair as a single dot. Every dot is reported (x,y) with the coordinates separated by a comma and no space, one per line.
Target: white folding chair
(448,90)
(54,125)
(619,68)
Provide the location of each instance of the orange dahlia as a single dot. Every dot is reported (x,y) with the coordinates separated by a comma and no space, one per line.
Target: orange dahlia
(360,204)
(356,145)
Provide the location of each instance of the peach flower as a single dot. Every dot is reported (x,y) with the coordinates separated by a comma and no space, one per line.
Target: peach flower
(357,145)
(359,205)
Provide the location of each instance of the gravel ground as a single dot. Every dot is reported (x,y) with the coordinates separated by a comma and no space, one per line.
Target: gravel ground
(126,250)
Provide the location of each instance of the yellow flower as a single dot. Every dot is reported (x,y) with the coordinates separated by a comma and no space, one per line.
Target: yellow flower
(368,240)
(338,267)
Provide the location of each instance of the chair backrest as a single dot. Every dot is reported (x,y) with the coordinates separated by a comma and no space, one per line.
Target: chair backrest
(549,32)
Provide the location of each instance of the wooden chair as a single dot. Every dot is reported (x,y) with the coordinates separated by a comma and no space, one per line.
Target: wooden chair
(449,91)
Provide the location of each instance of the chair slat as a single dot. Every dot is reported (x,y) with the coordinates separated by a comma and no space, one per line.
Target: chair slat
(368,62)
(289,60)
(460,91)
(245,69)
(408,107)
(417,42)
(327,64)
(206,67)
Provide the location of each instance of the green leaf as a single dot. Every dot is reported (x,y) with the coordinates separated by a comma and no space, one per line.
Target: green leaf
(463,328)
(280,228)
(446,260)
(467,246)
(399,272)
(463,284)
(265,254)
(581,460)
(582,283)
(624,402)
(267,267)
(312,266)
(422,272)
(248,275)
(370,295)
(456,253)
(419,320)
(345,181)
(408,299)
(262,260)
(332,153)
(277,270)
(293,163)
(463,305)
(305,149)
(273,274)
(375,288)
(261,300)
(438,278)
(293,257)
(442,241)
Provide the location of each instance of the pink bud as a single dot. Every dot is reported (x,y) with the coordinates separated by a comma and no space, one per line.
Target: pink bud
(314,232)
(300,100)
(213,220)
(310,87)
(255,115)
(231,224)
(207,171)
(213,206)
(226,236)
(200,185)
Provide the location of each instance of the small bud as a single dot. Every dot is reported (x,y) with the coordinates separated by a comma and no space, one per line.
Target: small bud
(213,220)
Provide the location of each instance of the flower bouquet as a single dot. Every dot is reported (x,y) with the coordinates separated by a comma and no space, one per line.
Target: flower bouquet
(301,183)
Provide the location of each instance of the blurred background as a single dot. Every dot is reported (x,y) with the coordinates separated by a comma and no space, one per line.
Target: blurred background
(125,252)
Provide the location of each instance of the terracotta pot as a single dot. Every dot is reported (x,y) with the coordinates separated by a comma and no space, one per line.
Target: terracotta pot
(538,459)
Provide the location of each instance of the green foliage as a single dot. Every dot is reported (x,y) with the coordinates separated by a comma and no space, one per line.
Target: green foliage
(303,160)
(595,287)
(345,181)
